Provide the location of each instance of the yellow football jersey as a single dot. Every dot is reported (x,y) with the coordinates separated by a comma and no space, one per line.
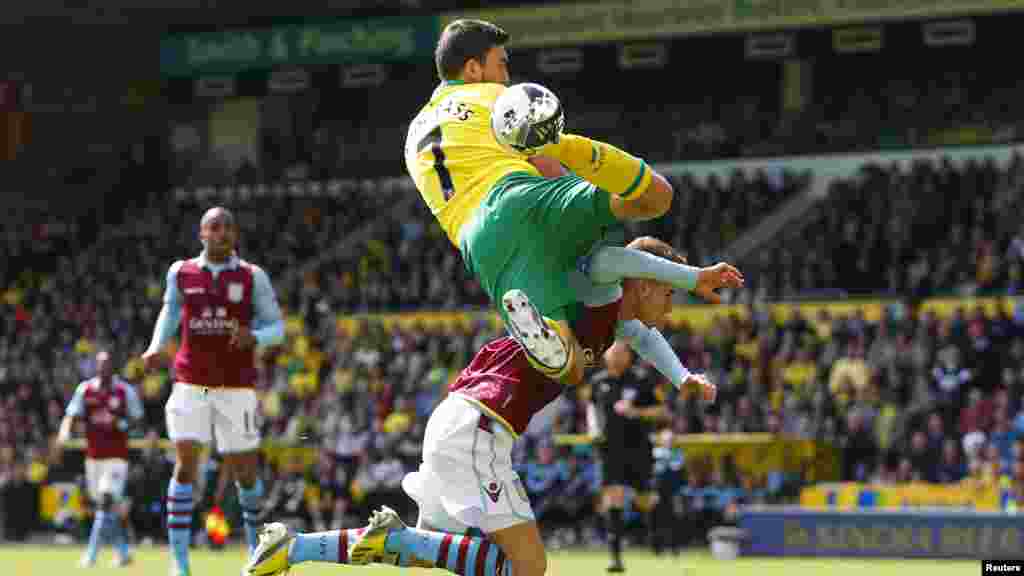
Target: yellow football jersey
(452,155)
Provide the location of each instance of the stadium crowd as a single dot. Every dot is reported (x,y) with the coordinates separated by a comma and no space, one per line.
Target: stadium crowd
(847,103)
(923,230)
(895,394)
(907,396)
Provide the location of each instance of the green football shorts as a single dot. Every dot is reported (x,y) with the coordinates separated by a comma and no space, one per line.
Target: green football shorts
(529,233)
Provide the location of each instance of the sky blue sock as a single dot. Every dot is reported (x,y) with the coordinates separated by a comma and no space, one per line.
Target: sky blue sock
(251,501)
(463,555)
(612,264)
(120,538)
(331,546)
(179,524)
(99,525)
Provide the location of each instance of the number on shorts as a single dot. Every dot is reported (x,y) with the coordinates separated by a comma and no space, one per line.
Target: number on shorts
(245,416)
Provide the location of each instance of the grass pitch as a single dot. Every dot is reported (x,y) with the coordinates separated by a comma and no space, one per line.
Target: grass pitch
(153,561)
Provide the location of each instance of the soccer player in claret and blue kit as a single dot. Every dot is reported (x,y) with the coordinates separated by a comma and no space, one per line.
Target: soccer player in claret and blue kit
(224,306)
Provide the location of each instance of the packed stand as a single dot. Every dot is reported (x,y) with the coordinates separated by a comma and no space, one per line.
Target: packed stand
(411,264)
(904,97)
(62,301)
(910,397)
(931,229)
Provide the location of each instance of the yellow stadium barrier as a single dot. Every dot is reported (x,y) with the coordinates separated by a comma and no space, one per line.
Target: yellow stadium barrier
(850,496)
(700,316)
(753,454)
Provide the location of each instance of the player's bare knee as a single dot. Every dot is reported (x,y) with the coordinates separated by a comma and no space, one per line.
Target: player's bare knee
(246,476)
(539,565)
(534,564)
(244,468)
(185,472)
(182,475)
(185,465)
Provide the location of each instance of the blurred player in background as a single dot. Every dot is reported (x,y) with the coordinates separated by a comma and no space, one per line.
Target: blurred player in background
(519,232)
(628,404)
(466,482)
(225,306)
(109,406)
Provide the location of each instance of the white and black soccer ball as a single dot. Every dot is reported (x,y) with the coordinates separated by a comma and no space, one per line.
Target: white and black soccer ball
(526,117)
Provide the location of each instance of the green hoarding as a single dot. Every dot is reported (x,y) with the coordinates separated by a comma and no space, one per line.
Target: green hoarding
(398,39)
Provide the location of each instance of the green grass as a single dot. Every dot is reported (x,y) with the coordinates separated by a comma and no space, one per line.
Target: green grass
(62,561)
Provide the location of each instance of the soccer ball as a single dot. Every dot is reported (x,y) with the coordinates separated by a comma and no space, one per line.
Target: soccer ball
(526,117)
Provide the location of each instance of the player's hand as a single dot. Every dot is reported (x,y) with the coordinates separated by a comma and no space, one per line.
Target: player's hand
(63,439)
(150,360)
(243,338)
(721,275)
(623,408)
(700,383)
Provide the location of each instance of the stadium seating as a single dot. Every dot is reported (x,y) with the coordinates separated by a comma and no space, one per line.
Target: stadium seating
(929,229)
(873,378)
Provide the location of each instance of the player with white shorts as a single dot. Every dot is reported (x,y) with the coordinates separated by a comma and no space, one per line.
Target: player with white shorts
(466,478)
(224,307)
(108,405)
(466,482)
(105,476)
(223,416)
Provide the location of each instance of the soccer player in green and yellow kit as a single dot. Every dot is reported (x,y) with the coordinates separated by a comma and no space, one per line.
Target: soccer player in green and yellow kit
(520,232)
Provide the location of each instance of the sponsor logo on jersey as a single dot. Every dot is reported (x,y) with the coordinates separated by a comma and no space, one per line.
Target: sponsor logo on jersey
(236,290)
(208,325)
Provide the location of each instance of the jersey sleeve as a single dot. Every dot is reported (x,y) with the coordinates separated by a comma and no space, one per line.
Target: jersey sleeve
(651,345)
(76,408)
(591,293)
(135,409)
(268,323)
(170,313)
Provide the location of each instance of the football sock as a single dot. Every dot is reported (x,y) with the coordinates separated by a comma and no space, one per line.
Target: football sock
(463,555)
(250,500)
(331,546)
(179,524)
(119,536)
(99,525)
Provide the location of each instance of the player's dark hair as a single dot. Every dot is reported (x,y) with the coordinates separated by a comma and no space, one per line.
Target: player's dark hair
(465,40)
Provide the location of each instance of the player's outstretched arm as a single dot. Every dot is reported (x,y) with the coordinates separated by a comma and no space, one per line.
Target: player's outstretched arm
(651,345)
(169,318)
(608,264)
